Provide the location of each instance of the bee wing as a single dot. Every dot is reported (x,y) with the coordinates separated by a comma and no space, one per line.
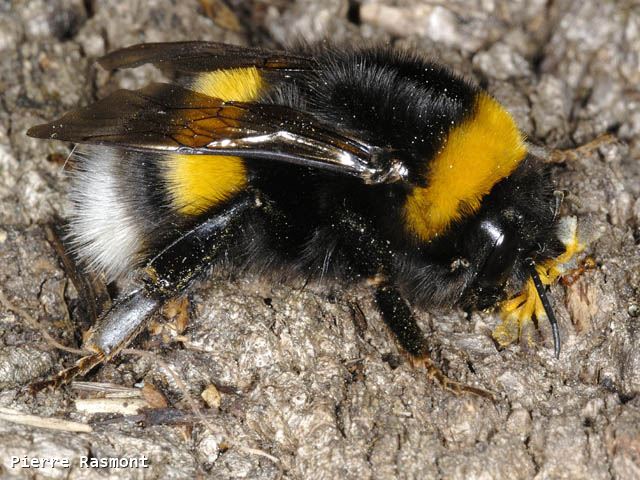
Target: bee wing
(198,57)
(170,118)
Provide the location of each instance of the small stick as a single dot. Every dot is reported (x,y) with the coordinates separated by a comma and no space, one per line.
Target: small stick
(50,423)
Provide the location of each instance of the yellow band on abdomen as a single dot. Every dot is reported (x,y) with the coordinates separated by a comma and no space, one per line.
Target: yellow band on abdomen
(197,183)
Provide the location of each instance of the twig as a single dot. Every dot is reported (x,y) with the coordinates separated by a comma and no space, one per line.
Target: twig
(124,406)
(50,423)
(107,390)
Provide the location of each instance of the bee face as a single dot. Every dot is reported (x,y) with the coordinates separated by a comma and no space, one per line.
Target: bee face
(494,246)
(515,224)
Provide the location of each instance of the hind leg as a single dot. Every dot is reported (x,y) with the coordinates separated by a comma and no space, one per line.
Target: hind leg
(400,320)
(167,275)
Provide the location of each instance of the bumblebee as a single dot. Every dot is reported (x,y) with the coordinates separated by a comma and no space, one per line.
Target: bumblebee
(363,164)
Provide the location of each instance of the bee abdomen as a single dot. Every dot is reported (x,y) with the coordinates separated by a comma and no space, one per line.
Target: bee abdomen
(105,232)
(128,204)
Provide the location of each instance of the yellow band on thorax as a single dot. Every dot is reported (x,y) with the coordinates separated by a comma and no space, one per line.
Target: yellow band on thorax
(477,154)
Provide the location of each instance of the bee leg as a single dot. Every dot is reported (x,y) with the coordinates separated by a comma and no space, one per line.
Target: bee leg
(398,316)
(166,275)
(113,331)
(372,257)
(169,273)
(574,154)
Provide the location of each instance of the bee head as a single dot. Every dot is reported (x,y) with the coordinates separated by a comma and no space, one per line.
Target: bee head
(516,225)
(505,243)
(495,245)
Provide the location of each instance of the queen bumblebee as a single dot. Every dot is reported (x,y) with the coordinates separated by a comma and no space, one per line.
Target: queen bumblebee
(356,163)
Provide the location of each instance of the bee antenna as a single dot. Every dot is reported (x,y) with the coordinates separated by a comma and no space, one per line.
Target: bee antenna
(547,306)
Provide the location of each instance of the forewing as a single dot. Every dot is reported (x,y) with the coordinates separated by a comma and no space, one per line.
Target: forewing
(198,57)
(164,117)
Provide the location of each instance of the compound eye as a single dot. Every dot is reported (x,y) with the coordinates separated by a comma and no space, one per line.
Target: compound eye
(502,255)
